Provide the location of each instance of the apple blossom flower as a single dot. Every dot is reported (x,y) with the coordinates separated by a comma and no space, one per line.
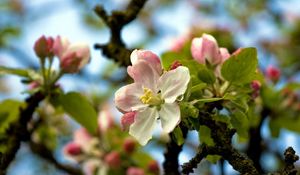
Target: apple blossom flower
(43,47)
(152,96)
(273,73)
(206,48)
(178,43)
(135,171)
(94,166)
(72,56)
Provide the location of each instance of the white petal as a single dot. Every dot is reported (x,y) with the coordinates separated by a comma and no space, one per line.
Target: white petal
(174,83)
(169,116)
(144,124)
(127,98)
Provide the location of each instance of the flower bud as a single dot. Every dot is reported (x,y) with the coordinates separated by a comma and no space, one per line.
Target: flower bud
(135,171)
(273,73)
(113,159)
(43,47)
(206,48)
(153,167)
(129,145)
(224,54)
(255,85)
(72,149)
(175,64)
(178,43)
(127,119)
(60,46)
(76,56)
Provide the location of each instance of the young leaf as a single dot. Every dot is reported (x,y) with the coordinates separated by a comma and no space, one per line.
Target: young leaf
(27,73)
(240,68)
(206,75)
(79,108)
(9,112)
(177,136)
(240,121)
(205,135)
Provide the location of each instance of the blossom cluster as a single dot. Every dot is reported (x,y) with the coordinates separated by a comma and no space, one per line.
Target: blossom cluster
(110,152)
(72,56)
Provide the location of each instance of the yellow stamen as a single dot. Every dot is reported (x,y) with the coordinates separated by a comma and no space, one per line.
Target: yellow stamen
(150,98)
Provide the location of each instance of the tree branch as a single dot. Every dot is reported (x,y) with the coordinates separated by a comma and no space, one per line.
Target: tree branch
(222,136)
(42,151)
(18,132)
(115,48)
(173,150)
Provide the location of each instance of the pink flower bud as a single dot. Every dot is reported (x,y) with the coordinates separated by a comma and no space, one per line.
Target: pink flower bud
(60,46)
(127,119)
(175,64)
(113,159)
(135,171)
(255,85)
(153,167)
(43,47)
(129,145)
(75,58)
(273,73)
(224,54)
(206,48)
(72,149)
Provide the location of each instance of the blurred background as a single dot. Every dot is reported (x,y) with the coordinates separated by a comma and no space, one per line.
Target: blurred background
(272,26)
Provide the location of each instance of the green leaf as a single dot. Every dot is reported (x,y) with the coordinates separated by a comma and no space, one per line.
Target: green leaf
(177,136)
(205,135)
(240,68)
(240,122)
(206,75)
(26,73)
(188,110)
(79,108)
(9,112)
(198,87)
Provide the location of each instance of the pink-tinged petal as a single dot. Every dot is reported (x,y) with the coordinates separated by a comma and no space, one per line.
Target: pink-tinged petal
(145,55)
(75,58)
(82,137)
(127,119)
(196,50)
(94,166)
(105,120)
(206,48)
(178,43)
(135,171)
(174,83)
(127,98)
(60,46)
(224,54)
(144,74)
(144,124)
(170,116)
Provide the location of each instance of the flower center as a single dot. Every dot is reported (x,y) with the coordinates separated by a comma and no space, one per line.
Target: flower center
(150,98)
